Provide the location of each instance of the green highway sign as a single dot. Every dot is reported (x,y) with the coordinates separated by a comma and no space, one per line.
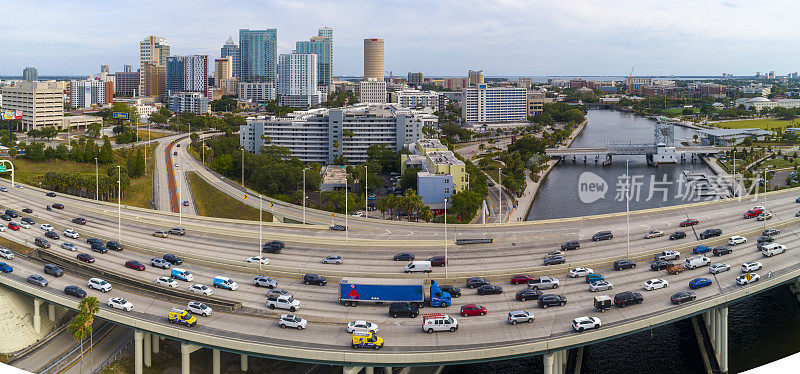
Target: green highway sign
(2,168)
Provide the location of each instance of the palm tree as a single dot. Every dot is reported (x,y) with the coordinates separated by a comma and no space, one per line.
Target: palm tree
(78,328)
(89,307)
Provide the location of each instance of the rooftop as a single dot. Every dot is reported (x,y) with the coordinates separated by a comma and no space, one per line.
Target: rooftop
(444,158)
(734,132)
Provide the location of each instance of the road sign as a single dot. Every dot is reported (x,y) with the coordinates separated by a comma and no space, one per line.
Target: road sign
(120,115)
(2,168)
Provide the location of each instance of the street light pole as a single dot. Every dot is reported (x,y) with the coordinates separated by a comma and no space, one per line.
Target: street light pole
(627,209)
(366,196)
(180,203)
(346,211)
(445,237)
(304,195)
(499,195)
(242,167)
(96,181)
(766,185)
(260,224)
(204,150)
(119,204)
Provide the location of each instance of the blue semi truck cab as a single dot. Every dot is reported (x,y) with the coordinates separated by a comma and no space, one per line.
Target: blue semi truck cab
(374,290)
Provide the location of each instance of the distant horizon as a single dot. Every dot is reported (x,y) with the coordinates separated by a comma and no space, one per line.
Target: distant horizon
(613,77)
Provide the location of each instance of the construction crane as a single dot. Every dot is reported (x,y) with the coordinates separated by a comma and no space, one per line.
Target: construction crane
(390,75)
(630,83)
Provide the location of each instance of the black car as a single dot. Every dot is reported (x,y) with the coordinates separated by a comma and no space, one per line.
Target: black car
(405,256)
(677,235)
(602,235)
(29,220)
(765,239)
(437,260)
(79,220)
(114,246)
(93,241)
(41,242)
(710,233)
(552,300)
(53,270)
(554,260)
(571,245)
(11,213)
(75,291)
(275,243)
(5,217)
(682,297)
(403,309)
(660,265)
(52,235)
(338,227)
(99,248)
(475,282)
(272,247)
(771,232)
(315,279)
(85,257)
(51,194)
(624,299)
(624,264)
(528,294)
(489,290)
(27,210)
(58,206)
(721,250)
(452,290)
(172,259)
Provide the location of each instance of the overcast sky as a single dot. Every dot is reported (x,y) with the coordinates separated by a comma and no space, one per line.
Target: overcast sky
(442,37)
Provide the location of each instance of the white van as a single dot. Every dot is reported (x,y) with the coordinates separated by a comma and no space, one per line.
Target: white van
(772,249)
(695,261)
(419,266)
(438,322)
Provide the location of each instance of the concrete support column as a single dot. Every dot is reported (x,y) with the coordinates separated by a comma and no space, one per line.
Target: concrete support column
(51,312)
(155,340)
(186,351)
(564,357)
(718,331)
(351,369)
(369,370)
(215,364)
(578,360)
(148,346)
(723,342)
(37,318)
(138,336)
(711,326)
(243,363)
(548,363)
(387,370)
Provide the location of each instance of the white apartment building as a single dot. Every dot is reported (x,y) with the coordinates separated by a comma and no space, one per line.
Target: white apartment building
(257,91)
(372,91)
(298,80)
(416,99)
(321,135)
(483,104)
(41,103)
(195,102)
(88,92)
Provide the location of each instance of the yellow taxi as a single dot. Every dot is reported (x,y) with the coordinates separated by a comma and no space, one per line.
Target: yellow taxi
(181,317)
(364,339)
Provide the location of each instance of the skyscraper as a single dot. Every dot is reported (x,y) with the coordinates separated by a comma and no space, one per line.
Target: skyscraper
(187,74)
(231,49)
(475,77)
(30,74)
(127,68)
(223,70)
(297,80)
(155,50)
(104,68)
(156,83)
(373,59)
(322,46)
(258,55)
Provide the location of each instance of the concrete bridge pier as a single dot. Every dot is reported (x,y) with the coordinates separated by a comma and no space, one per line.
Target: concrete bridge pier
(186,351)
(155,340)
(795,288)
(351,369)
(215,364)
(243,363)
(37,318)
(716,322)
(148,349)
(138,336)
(51,312)
(555,362)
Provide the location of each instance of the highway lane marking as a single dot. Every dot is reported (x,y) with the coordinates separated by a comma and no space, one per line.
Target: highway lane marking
(89,349)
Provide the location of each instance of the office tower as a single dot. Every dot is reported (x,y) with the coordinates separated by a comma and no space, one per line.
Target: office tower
(126,83)
(230,49)
(104,68)
(415,78)
(373,59)
(187,74)
(475,77)
(258,55)
(41,103)
(223,70)
(156,83)
(127,68)
(297,80)
(155,50)
(30,74)
(86,93)
(322,46)
(372,91)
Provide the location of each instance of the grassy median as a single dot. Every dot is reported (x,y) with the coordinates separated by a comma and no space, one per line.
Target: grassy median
(211,202)
(762,123)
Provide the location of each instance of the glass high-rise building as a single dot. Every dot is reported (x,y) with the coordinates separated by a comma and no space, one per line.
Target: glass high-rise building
(30,74)
(322,46)
(258,55)
(231,49)
(187,74)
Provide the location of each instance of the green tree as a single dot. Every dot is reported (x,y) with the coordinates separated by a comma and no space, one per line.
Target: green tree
(466,204)
(93,130)
(78,327)
(106,155)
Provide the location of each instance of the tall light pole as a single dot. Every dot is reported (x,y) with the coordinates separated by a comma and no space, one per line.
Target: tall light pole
(242,167)
(119,204)
(627,209)
(204,150)
(766,185)
(500,195)
(366,196)
(96,181)
(346,211)
(260,224)
(445,237)
(304,196)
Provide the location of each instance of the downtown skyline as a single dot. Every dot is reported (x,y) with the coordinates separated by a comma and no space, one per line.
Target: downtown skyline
(504,38)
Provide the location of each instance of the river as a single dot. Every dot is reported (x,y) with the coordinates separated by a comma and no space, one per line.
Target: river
(762,328)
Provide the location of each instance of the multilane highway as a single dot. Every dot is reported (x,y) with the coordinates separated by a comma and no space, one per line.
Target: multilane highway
(218,247)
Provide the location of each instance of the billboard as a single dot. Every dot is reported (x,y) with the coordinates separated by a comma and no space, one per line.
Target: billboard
(10,114)
(120,115)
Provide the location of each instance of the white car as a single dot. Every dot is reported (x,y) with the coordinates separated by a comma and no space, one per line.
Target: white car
(291,320)
(257,259)
(667,255)
(718,268)
(197,307)
(585,323)
(655,284)
(69,246)
(516,316)
(580,272)
(600,286)
(99,284)
(24,225)
(364,326)
(734,240)
(358,214)
(120,303)
(333,260)
(70,233)
(201,289)
(758,207)
(167,281)
(2,228)
(46,227)
(6,254)
(747,278)
(751,266)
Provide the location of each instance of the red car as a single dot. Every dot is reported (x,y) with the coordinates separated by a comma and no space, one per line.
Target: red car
(437,260)
(13,225)
(689,222)
(521,279)
(135,265)
(753,213)
(58,206)
(85,257)
(473,310)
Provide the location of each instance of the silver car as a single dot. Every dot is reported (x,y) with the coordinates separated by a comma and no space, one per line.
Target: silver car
(264,281)
(332,260)
(600,286)
(37,280)
(516,316)
(719,268)
(69,246)
(197,307)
